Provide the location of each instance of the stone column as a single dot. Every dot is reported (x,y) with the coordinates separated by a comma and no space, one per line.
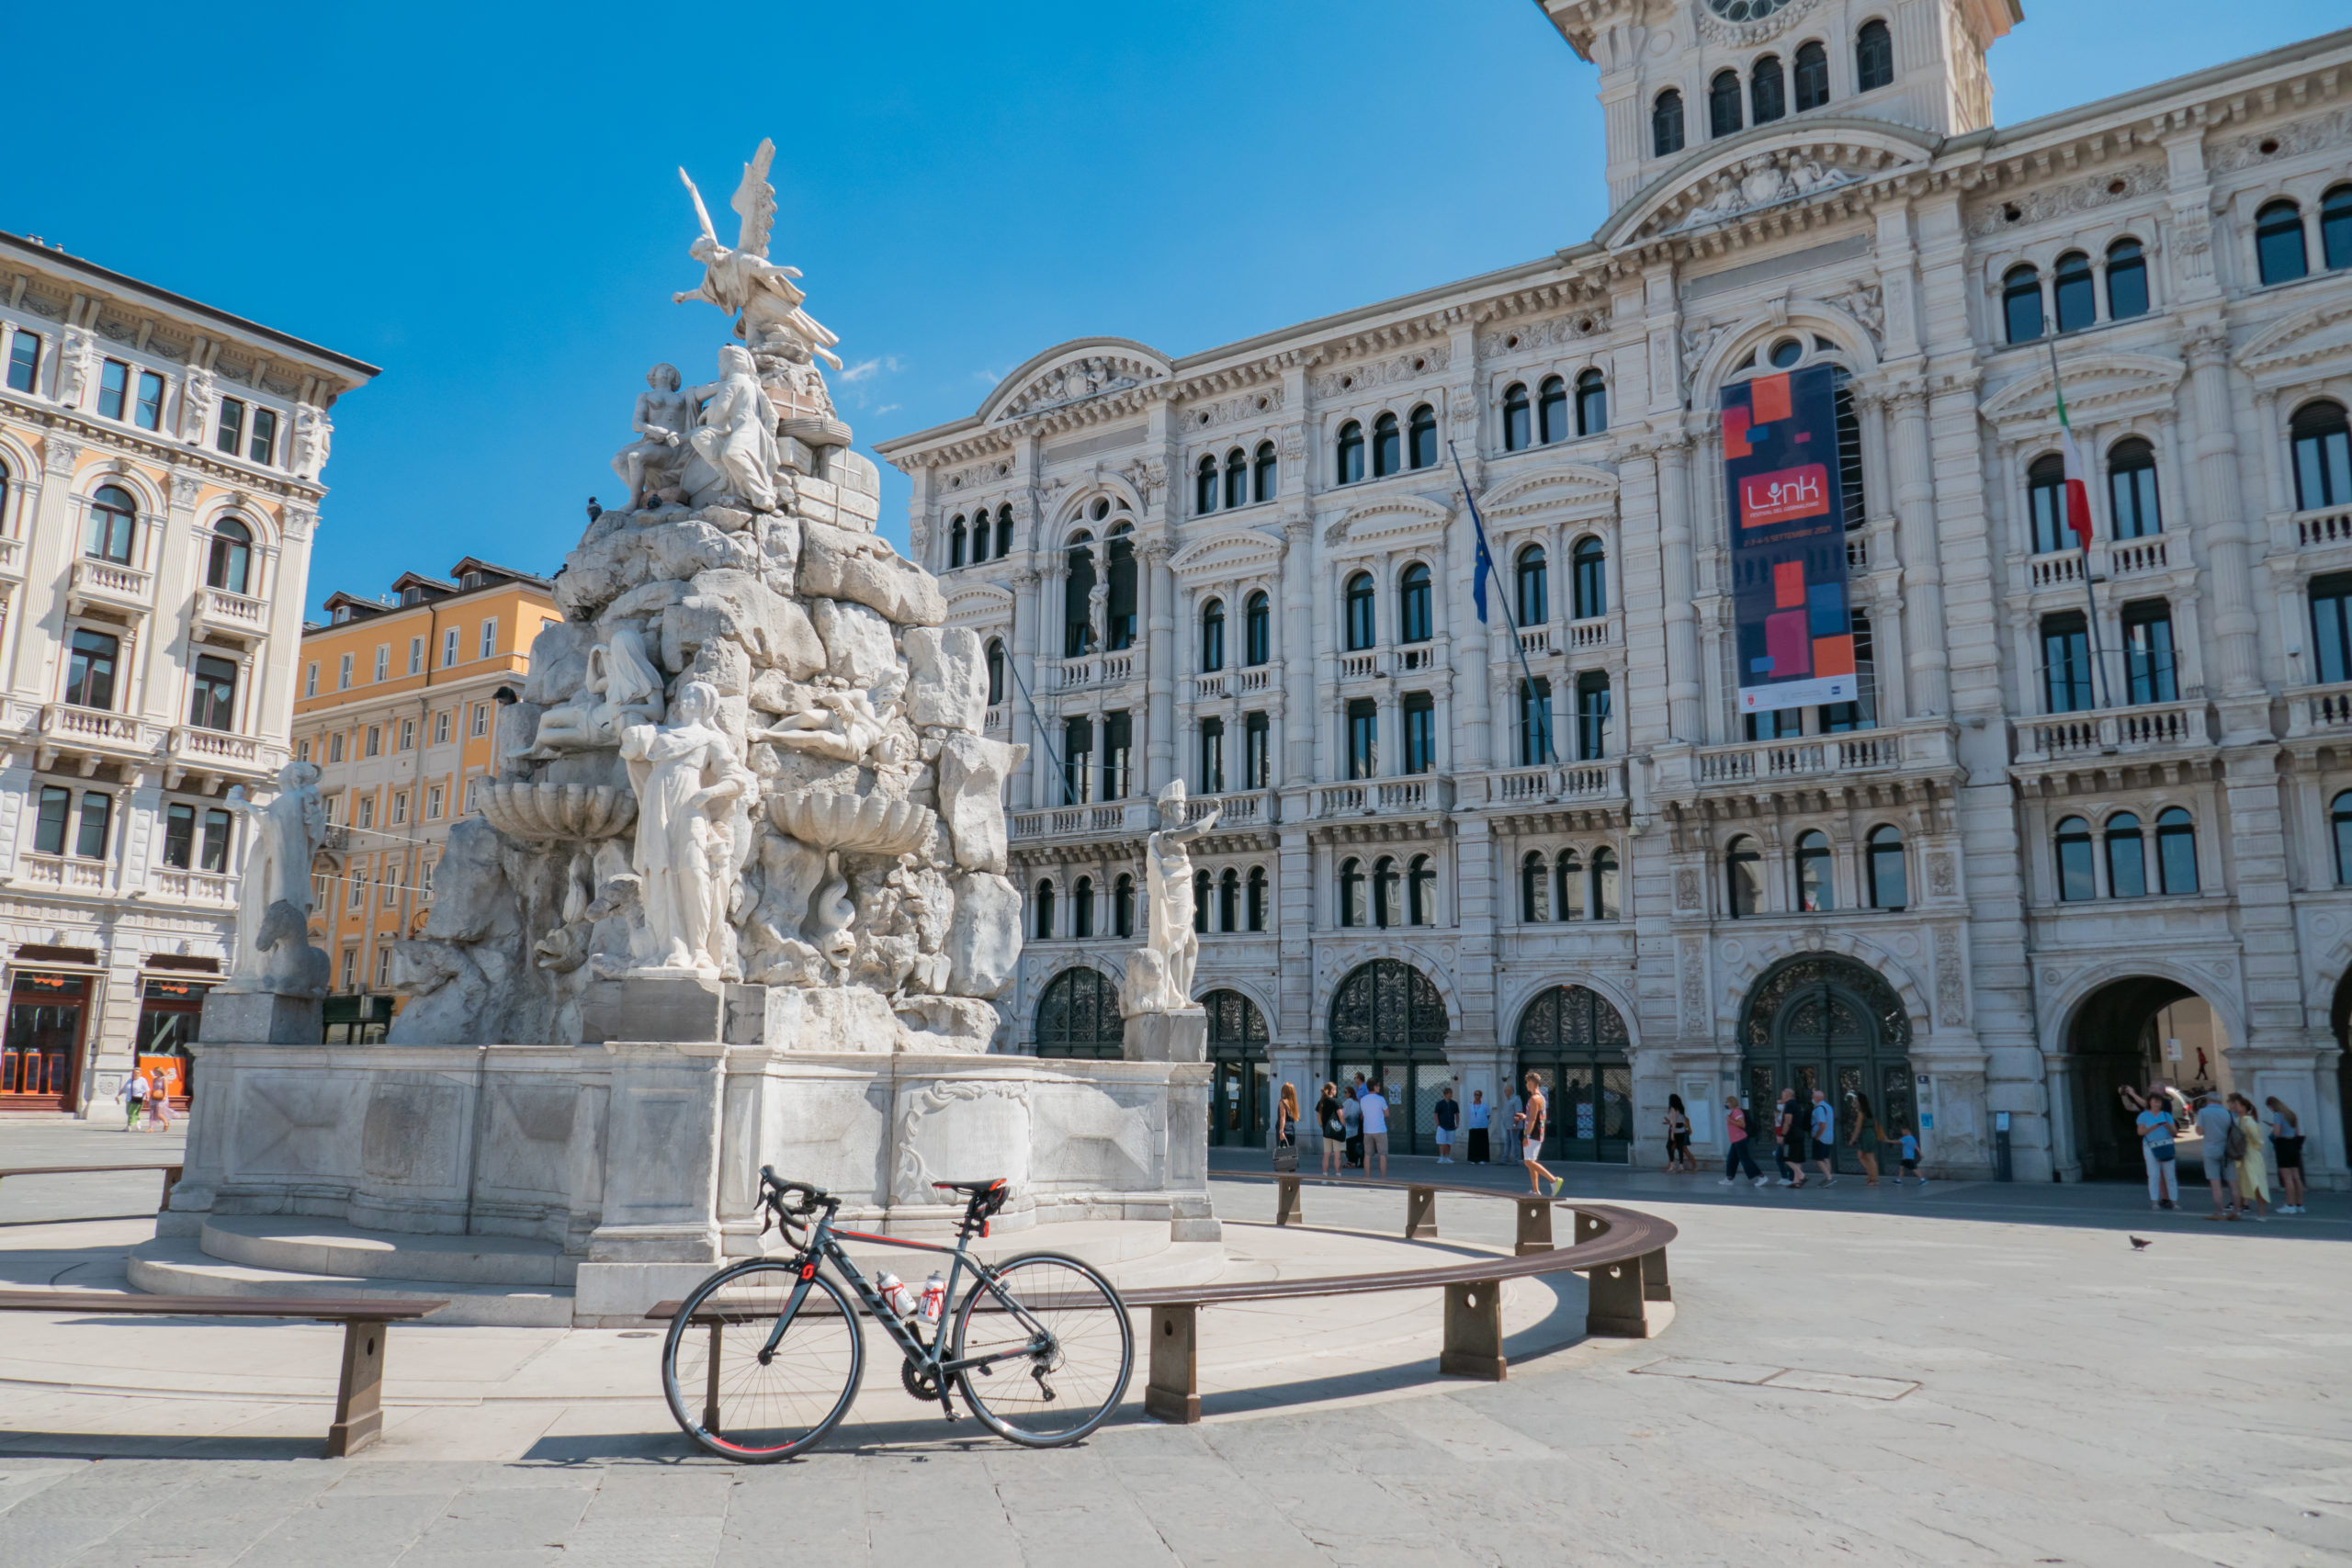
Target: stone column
(1025,727)
(1471,704)
(1681,564)
(1160,685)
(1915,507)
(2221,508)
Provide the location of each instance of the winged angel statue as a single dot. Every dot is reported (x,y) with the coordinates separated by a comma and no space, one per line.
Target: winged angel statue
(758,292)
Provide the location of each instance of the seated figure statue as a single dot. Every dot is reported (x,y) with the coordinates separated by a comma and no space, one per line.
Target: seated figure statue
(622,688)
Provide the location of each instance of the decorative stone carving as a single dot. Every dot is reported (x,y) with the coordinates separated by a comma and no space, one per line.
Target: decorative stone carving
(734,448)
(864,823)
(687,861)
(273,954)
(313,435)
(2043,203)
(620,688)
(758,292)
(1159,973)
(549,812)
(662,419)
(1952,980)
(1766,180)
(199,396)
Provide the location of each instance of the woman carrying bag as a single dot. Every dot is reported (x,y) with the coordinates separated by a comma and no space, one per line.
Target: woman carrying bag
(1333,1127)
(1286,1131)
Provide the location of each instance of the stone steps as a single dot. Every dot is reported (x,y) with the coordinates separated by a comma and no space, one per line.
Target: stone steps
(178,1266)
(306,1245)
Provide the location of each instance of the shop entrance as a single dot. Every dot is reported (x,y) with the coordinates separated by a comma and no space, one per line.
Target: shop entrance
(40,1056)
(1388,1024)
(1822,1021)
(169,1012)
(1240,1098)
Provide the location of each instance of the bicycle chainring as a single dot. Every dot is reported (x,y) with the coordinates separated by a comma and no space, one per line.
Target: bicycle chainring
(920,1382)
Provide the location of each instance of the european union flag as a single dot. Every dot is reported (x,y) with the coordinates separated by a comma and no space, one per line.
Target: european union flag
(1486,566)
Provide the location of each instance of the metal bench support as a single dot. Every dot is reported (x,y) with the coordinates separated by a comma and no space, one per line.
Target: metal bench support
(1420,1212)
(1613,1302)
(1286,1204)
(1174,1392)
(1534,1225)
(359,1400)
(1474,1332)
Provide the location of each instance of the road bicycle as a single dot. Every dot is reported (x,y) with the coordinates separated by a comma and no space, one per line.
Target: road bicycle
(764,1358)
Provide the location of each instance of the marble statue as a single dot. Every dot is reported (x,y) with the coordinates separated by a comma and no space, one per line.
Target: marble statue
(622,689)
(758,292)
(1160,975)
(199,395)
(842,724)
(736,440)
(273,908)
(662,420)
(313,435)
(1098,614)
(687,860)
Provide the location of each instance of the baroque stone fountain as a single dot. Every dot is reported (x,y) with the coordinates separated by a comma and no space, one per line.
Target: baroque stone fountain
(737,898)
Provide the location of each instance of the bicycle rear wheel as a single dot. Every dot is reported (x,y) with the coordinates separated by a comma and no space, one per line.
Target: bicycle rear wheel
(735,1404)
(1079,1349)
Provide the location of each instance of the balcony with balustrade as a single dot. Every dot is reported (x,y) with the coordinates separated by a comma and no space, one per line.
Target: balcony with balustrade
(2326,528)
(238,614)
(1569,784)
(93,735)
(62,873)
(1093,669)
(1417,795)
(236,757)
(2110,560)
(104,585)
(1113,819)
(212,890)
(2149,729)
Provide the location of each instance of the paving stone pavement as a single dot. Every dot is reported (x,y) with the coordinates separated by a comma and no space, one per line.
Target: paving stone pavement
(2075,1402)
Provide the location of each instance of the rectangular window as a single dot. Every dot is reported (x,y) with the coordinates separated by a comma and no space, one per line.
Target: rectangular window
(302,750)
(373,745)
(1592,717)
(481,720)
(473,791)
(218,824)
(179,835)
(366,804)
(424,877)
(408,735)
(350,968)
(1118,752)
(310,681)
(1257,751)
(334,747)
(2147,651)
(1775,724)
(1837,718)
(383,661)
(342,681)
(1420,732)
(441,727)
(2332,627)
(1534,722)
(98,815)
(383,961)
(114,388)
(212,703)
(148,414)
(89,673)
(433,804)
(322,889)
(392,889)
(1211,756)
(1363,739)
(448,648)
(24,362)
(400,808)
(1078,761)
(265,442)
(489,637)
(232,433)
(2066,663)
(48,832)
(417,656)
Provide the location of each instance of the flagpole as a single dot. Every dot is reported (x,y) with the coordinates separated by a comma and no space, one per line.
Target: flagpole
(2090,594)
(1526,673)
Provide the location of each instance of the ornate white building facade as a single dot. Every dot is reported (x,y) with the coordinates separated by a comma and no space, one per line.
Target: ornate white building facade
(2073,834)
(159,489)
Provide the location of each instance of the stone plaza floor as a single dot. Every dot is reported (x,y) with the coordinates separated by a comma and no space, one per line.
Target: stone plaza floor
(1971,1374)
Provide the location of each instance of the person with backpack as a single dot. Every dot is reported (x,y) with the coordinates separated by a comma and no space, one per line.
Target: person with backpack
(1351,1124)
(2216,1129)
(1738,1158)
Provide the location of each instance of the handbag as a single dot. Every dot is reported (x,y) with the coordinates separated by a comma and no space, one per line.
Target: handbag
(2164,1152)
(1287,1156)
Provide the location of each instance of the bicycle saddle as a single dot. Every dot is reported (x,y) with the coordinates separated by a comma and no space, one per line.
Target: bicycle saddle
(973,1188)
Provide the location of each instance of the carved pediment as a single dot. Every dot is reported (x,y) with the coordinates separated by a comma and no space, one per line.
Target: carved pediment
(972,601)
(1391,517)
(1761,169)
(1241,552)
(1578,490)
(2318,339)
(2105,385)
(1074,373)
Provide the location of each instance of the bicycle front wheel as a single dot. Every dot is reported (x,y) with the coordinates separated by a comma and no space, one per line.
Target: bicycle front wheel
(1066,1344)
(743,1404)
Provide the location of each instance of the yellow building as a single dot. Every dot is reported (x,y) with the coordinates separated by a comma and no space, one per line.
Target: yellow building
(396,702)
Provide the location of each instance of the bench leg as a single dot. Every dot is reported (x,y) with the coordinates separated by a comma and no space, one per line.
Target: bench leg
(1420,1211)
(1534,1225)
(1474,1332)
(1174,1392)
(1587,1226)
(710,1382)
(1613,1302)
(1654,1285)
(359,1399)
(1286,1205)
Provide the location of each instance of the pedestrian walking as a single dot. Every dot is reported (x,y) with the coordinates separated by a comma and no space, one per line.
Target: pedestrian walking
(1448,1113)
(1678,1137)
(1286,1130)
(1862,1136)
(1481,1114)
(159,1108)
(1514,1124)
(2156,1127)
(1788,1140)
(2287,1153)
(1906,1145)
(134,1100)
(1334,1128)
(1738,1157)
(1374,1107)
(2252,1158)
(1822,1125)
(1352,1128)
(1531,1146)
(2214,1127)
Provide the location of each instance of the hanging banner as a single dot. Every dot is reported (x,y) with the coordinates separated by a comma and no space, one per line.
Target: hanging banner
(1794,626)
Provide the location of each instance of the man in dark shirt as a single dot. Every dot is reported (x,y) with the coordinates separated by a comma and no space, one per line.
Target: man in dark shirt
(1788,1138)
(1447,1115)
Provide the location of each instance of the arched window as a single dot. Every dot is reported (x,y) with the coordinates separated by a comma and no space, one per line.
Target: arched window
(1890,887)
(6,479)
(1082,907)
(1228,900)
(2279,242)
(1236,477)
(1850,445)
(1043,903)
(2132,489)
(1665,124)
(1004,530)
(1534,887)
(1120,611)
(2127,281)
(1604,884)
(230,564)
(89,670)
(2336,228)
(956,543)
(1122,907)
(1351,892)
(1534,598)
(1078,584)
(1816,890)
(1213,635)
(2339,817)
(1588,568)
(1205,487)
(1079,1016)
(2022,303)
(2075,882)
(1567,886)
(1413,604)
(1203,890)
(2127,859)
(2176,851)
(1351,453)
(2323,446)
(1385,888)
(1516,430)
(1744,878)
(1811,76)
(1265,472)
(1786,353)
(2045,495)
(114,518)
(1421,429)
(1257,912)
(1873,57)
(2077,296)
(1387,446)
(1359,612)
(1592,403)
(1723,103)
(996,671)
(1768,91)
(1421,892)
(1552,410)
(1258,630)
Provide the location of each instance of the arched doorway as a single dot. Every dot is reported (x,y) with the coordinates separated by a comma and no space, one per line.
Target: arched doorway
(1238,1070)
(1079,1016)
(1822,1021)
(1388,1024)
(2136,1031)
(1575,1042)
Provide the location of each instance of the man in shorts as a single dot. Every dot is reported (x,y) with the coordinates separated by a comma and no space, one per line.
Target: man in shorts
(2213,1123)
(1531,1142)
(1825,1136)
(1375,1127)
(1449,1112)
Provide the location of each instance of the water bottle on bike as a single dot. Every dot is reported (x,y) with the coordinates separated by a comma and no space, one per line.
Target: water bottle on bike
(935,1300)
(894,1294)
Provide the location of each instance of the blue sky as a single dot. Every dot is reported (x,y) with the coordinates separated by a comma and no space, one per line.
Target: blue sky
(482,199)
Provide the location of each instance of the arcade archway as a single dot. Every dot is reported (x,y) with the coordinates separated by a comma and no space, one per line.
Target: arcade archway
(1387,1022)
(1079,1016)
(1238,1070)
(1819,1020)
(2134,1031)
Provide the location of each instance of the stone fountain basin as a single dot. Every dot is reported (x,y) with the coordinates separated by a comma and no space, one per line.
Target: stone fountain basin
(862,824)
(553,811)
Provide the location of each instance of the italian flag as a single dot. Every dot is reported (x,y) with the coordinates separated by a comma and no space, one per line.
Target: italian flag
(2078,489)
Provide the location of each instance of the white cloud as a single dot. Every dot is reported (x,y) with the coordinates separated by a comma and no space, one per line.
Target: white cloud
(886,408)
(866,369)
(989,377)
